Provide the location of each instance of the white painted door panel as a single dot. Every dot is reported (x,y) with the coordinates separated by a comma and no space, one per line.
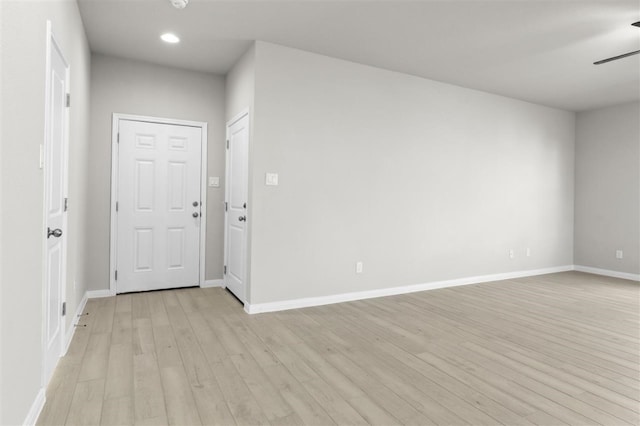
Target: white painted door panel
(236,217)
(55,166)
(158,224)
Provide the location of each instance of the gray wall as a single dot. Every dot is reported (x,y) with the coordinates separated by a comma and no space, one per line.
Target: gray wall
(607,216)
(420,180)
(240,85)
(131,87)
(23,77)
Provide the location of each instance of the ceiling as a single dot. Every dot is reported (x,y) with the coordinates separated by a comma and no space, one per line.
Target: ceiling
(538,51)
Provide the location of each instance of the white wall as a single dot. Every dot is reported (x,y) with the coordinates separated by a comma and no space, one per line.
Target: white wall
(1,203)
(420,180)
(23,76)
(607,216)
(131,87)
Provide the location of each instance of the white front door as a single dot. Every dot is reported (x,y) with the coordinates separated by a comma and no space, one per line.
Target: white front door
(158,206)
(236,206)
(55,172)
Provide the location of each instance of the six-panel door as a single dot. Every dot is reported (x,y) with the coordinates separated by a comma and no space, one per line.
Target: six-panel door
(159,179)
(236,220)
(55,166)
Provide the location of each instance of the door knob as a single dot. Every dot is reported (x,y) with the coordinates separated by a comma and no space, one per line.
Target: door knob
(242,218)
(195,204)
(56,232)
(195,214)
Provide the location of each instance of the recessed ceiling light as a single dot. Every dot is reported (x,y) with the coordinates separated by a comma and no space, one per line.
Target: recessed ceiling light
(179,4)
(170,38)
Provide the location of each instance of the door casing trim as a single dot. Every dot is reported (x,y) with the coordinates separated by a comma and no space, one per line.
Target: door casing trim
(114,188)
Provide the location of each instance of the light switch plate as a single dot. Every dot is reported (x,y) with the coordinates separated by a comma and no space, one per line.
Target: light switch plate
(271,179)
(214,181)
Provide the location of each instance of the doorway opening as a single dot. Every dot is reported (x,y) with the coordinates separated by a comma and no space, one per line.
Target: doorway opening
(158,203)
(55,167)
(236,213)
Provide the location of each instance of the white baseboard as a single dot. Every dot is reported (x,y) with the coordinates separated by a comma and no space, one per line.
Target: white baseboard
(72,329)
(393,291)
(213,283)
(607,273)
(36,408)
(96,294)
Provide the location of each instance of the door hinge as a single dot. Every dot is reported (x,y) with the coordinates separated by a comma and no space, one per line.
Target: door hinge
(64,308)
(226,206)
(118,137)
(66,204)
(116,275)
(116,206)
(225,269)
(68,100)
(227,143)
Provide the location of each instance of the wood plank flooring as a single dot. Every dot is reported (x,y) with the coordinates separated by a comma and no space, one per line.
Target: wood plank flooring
(549,350)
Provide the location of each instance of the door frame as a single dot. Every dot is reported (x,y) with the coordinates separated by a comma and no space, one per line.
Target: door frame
(51,44)
(114,188)
(227,183)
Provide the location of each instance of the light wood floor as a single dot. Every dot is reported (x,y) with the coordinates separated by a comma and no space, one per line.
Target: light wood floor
(548,350)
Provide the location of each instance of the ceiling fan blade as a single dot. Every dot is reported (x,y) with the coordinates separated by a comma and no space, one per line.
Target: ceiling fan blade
(613,58)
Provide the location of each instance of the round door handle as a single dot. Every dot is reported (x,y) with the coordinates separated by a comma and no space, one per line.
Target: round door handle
(195,214)
(195,204)
(242,218)
(55,232)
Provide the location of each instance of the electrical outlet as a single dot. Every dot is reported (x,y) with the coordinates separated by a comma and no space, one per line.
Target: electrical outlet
(619,254)
(512,254)
(528,252)
(358,267)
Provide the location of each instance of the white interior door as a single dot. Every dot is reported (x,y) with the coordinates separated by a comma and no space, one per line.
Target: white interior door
(158,206)
(236,206)
(55,172)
